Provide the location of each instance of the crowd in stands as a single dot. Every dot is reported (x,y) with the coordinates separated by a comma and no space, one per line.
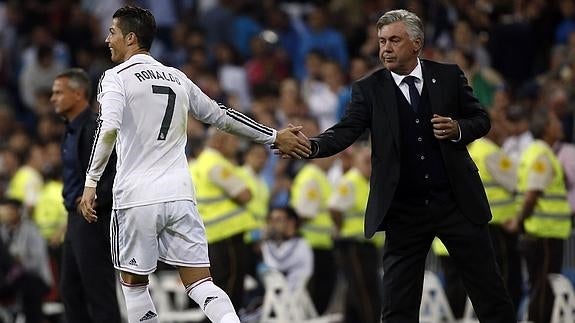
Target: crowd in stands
(281,62)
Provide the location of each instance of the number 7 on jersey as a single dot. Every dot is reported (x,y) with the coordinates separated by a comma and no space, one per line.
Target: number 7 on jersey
(158,89)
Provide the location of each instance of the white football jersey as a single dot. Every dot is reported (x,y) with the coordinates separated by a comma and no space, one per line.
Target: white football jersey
(144,109)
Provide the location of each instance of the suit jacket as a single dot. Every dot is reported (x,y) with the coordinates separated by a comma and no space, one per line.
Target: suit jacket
(84,150)
(373,106)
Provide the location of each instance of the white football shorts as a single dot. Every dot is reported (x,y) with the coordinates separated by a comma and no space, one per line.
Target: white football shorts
(172,232)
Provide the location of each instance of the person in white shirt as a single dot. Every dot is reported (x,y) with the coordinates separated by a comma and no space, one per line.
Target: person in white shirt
(144,112)
(520,137)
(284,250)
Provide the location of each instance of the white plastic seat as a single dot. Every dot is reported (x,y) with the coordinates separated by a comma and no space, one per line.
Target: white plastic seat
(434,305)
(282,305)
(171,299)
(564,304)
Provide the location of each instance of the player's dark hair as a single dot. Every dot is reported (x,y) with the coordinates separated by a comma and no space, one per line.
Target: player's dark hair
(78,79)
(138,21)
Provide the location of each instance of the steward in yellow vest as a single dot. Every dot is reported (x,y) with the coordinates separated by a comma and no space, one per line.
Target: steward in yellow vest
(26,184)
(309,195)
(50,214)
(255,158)
(544,213)
(222,195)
(358,256)
(498,173)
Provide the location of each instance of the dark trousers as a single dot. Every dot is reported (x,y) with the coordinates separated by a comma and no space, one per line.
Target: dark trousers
(506,247)
(454,288)
(322,282)
(410,229)
(29,290)
(253,259)
(508,257)
(228,268)
(543,256)
(359,261)
(88,279)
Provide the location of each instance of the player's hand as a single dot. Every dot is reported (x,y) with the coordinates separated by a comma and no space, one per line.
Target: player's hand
(444,127)
(87,204)
(292,143)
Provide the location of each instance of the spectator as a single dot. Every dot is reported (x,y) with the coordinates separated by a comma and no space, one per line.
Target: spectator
(267,66)
(27,182)
(318,35)
(32,280)
(284,250)
(38,75)
(544,215)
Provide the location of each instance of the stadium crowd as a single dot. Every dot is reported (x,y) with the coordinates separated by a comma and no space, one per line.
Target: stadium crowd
(285,62)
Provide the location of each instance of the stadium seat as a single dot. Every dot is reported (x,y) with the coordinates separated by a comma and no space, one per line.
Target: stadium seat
(284,306)
(564,304)
(171,299)
(434,305)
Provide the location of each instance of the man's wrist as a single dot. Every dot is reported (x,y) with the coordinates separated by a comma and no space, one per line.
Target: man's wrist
(314,148)
(90,182)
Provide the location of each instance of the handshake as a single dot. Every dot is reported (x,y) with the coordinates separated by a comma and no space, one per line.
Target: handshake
(292,143)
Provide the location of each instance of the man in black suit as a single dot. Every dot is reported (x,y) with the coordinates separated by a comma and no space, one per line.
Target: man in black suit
(421,115)
(88,283)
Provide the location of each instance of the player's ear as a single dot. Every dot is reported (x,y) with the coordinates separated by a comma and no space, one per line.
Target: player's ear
(131,38)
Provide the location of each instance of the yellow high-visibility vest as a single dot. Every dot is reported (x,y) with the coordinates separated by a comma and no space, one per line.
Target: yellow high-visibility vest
(439,248)
(50,214)
(222,216)
(20,184)
(353,219)
(258,205)
(551,217)
(501,201)
(317,231)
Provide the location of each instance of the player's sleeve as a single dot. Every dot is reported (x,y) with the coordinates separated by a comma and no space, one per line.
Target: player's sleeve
(203,108)
(112,102)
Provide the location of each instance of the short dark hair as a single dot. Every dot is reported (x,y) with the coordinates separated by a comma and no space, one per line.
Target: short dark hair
(78,79)
(11,202)
(138,21)
(289,211)
(539,121)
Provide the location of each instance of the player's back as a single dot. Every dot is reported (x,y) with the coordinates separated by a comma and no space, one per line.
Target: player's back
(152,165)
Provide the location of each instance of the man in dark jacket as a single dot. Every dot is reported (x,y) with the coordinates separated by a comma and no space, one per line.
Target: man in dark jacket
(421,115)
(88,283)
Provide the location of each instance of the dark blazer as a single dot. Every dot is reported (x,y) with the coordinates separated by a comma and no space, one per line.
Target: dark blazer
(373,106)
(84,150)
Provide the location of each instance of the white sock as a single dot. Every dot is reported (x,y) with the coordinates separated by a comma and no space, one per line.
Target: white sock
(140,307)
(213,301)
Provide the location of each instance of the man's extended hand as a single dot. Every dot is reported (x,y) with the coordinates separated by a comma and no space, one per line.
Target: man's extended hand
(87,204)
(291,142)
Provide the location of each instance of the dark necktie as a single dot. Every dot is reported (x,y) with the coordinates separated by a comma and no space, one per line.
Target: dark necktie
(413,93)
